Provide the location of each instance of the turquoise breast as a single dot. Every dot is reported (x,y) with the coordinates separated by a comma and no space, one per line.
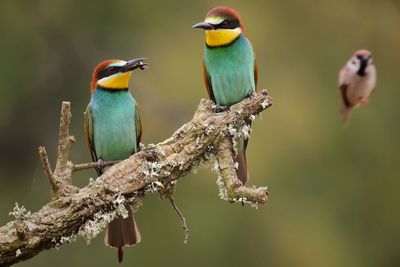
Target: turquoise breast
(114,124)
(231,70)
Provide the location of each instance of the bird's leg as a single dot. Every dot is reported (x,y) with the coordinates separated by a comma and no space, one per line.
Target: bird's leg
(100,165)
(250,94)
(217,108)
(363,101)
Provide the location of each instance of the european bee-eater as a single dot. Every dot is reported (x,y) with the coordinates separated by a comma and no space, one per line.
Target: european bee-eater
(113,131)
(229,66)
(357,80)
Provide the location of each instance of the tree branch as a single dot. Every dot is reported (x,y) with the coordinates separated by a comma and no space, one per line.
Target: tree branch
(46,167)
(208,138)
(89,165)
(183,219)
(231,187)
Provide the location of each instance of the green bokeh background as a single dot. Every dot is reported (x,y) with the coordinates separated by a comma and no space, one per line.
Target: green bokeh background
(335,191)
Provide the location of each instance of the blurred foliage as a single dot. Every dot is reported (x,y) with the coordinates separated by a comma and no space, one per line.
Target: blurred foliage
(334,189)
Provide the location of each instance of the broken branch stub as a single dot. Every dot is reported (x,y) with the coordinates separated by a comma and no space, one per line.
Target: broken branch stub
(84,212)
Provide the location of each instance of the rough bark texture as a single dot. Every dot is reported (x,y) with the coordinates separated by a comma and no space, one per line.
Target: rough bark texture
(83,212)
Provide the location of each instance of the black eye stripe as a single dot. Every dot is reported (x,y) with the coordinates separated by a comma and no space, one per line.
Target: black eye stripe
(235,23)
(228,24)
(108,71)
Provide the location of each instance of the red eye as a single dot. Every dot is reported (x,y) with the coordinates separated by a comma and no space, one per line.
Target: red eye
(112,69)
(224,23)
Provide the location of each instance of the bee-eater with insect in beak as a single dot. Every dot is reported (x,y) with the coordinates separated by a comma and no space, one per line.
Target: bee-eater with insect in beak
(113,131)
(229,66)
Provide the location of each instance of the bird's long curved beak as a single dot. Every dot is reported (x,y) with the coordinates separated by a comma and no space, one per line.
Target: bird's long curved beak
(203,25)
(134,64)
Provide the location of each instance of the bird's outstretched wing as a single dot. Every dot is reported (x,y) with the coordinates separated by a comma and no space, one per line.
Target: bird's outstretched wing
(345,99)
(89,135)
(345,106)
(207,81)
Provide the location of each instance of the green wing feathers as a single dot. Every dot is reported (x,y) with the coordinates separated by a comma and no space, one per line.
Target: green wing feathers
(89,133)
(138,129)
(207,81)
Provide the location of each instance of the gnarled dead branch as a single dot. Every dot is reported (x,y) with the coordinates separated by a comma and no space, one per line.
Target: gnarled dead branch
(83,212)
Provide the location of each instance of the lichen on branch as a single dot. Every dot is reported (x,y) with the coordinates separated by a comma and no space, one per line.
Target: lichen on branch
(73,212)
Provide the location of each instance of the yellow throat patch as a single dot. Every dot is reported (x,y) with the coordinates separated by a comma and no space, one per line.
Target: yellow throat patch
(116,81)
(221,37)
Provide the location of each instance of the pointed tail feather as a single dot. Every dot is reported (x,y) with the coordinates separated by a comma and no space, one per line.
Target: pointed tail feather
(243,173)
(345,113)
(120,253)
(122,232)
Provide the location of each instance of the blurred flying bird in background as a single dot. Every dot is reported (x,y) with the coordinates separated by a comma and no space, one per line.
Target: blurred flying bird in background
(357,80)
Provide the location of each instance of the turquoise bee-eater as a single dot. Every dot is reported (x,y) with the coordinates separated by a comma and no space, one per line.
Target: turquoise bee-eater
(229,66)
(113,131)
